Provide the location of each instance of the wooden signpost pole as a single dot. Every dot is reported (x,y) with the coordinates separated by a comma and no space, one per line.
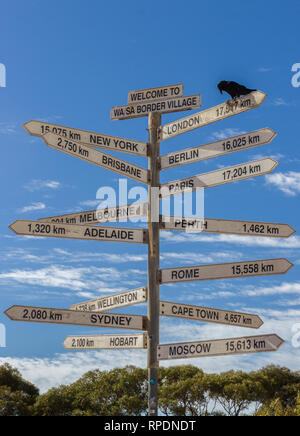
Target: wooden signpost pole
(154,121)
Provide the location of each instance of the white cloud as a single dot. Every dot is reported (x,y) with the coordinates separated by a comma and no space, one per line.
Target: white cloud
(32,207)
(250,241)
(284,288)
(280,102)
(264,70)
(8,128)
(289,183)
(37,185)
(226,133)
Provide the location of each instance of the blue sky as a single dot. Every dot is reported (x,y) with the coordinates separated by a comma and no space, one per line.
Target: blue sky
(69,62)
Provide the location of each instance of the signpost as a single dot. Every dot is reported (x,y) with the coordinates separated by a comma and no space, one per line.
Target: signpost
(112,302)
(219,177)
(227,227)
(251,268)
(205,314)
(84,225)
(106,342)
(174,104)
(96,157)
(71,231)
(222,347)
(97,216)
(92,139)
(241,142)
(208,116)
(73,317)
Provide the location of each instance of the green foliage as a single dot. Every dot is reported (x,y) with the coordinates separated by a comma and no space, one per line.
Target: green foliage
(183,391)
(17,396)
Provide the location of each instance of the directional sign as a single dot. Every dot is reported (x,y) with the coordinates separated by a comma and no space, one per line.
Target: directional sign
(97,157)
(205,314)
(251,268)
(72,317)
(219,177)
(160,93)
(70,231)
(221,347)
(111,302)
(229,227)
(108,215)
(212,115)
(40,128)
(241,142)
(106,342)
(136,110)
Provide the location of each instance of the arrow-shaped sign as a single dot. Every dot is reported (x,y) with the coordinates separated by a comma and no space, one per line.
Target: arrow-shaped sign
(208,116)
(219,177)
(174,104)
(97,157)
(221,347)
(73,317)
(205,314)
(70,231)
(106,342)
(241,142)
(112,302)
(97,216)
(229,227)
(251,268)
(92,139)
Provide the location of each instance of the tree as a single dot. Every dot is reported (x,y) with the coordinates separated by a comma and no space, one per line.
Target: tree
(17,396)
(120,392)
(234,391)
(183,391)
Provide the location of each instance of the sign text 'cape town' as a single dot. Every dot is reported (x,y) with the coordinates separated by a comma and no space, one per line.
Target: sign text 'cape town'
(205,314)
(40,128)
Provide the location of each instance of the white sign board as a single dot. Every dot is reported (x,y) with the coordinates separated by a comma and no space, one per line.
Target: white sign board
(96,157)
(221,347)
(97,216)
(72,317)
(219,177)
(71,231)
(106,342)
(136,110)
(241,142)
(226,271)
(205,314)
(159,93)
(128,298)
(212,115)
(92,139)
(229,227)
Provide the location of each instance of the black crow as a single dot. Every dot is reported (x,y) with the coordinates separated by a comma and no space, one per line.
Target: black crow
(234,89)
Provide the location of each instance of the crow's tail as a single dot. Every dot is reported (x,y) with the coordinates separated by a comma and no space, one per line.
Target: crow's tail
(251,90)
